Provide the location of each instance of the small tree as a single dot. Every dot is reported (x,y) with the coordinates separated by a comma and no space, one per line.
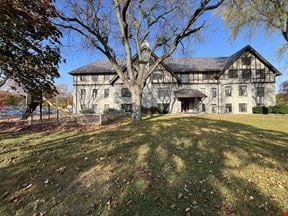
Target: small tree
(120,28)
(284,89)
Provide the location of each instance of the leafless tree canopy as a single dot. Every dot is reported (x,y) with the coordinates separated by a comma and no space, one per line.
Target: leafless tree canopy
(118,28)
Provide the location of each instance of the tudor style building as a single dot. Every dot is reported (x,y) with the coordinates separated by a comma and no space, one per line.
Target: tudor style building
(231,84)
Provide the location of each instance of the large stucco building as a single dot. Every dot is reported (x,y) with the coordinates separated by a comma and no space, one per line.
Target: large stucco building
(231,84)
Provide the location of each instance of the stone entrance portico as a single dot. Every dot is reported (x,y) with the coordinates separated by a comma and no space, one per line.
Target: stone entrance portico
(191,100)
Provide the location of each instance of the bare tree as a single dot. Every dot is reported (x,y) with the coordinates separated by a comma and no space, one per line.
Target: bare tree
(122,28)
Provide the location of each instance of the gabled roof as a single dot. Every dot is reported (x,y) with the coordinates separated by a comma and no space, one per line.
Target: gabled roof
(97,67)
(175,65)
(189,93)
(249,48)
(154,56)
(178,65)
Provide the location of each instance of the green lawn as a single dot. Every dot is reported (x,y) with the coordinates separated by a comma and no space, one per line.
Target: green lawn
(165,165)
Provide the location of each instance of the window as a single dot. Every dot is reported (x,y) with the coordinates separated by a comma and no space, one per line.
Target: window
(82,94)
(106,77)
(260,74)
(228,91)
(246,74)
(94,107)
(214,108)
(94,93)
(157,76)
(126,107)
(246,60)
(163,92)
(214,92)
(106,93)
(184,78)
(242,107)
(94,77)
(232,74)
(260,91)
(82,78)
(125,92)
(106,106)
(242,90)
(228,108)
(203,107)
(207,76)
(164,107)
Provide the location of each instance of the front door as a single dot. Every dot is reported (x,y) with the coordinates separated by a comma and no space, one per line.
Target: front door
(190,105)
(184,105)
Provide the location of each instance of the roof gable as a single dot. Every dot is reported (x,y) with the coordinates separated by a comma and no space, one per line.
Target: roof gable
(114,79)
(250,49)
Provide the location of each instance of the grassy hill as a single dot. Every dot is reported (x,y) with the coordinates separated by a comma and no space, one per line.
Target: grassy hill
(165,165)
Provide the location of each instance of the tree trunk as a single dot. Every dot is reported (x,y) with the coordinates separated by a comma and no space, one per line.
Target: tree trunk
(136,105)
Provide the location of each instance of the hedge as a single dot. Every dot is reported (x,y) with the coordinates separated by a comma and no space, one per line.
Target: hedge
(277,109)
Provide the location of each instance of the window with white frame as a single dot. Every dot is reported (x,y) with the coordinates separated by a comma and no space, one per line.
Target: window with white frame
(94,93)
(242,107)
(94,77)
(184,78)
(94,107)
(243,90)
(214,92)
(106,106)
(228,108)
(82,94)
(260,91)
(106,93)
(228,91)
(214,108)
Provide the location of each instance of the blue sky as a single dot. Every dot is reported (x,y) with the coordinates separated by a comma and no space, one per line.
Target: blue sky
(216,43)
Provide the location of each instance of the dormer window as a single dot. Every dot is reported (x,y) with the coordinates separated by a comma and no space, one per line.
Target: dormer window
(207,76)
(184,78)
(246,60)
(94,77)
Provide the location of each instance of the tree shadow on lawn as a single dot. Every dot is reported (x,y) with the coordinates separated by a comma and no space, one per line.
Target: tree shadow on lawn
(174,166)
